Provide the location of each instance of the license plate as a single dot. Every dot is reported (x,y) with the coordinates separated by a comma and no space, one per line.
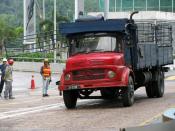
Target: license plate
(73,87)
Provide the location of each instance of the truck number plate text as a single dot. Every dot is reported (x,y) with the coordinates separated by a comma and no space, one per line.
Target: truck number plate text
(73,87)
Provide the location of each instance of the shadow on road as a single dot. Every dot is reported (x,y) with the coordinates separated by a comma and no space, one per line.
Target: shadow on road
(106,104)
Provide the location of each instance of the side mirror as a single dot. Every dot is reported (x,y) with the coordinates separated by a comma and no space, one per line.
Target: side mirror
(58,83)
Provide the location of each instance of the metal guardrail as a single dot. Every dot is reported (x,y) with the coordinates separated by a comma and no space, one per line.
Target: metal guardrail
(26,59)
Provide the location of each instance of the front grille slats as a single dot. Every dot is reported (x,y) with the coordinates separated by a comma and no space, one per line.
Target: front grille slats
(88,74)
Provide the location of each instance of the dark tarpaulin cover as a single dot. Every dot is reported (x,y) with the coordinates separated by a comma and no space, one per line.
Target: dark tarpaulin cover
(114,25)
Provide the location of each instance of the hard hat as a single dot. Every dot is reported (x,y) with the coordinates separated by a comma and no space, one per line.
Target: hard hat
(10,61)
(46,60)
(4,59)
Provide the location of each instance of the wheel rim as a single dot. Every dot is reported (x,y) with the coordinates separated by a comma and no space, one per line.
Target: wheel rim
(161,82)
(131,94)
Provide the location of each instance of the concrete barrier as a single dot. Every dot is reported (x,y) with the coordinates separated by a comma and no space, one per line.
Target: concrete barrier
(169,115)
(167,126)
(56,67)
(35,67)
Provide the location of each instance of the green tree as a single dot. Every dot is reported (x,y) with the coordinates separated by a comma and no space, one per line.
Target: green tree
(46,28)
(6,33)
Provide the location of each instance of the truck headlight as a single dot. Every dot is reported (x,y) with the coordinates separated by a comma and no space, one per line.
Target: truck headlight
(111,74)
(67,77)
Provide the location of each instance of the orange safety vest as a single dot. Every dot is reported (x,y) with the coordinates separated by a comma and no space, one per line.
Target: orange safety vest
(46,71)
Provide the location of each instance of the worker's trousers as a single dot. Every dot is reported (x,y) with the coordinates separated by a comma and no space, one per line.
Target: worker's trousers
(8,89)
(46,83)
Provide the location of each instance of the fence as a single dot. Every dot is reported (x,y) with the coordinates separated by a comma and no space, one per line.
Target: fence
(29,59)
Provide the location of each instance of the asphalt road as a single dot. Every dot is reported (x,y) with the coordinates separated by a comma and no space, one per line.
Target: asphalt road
(30,111)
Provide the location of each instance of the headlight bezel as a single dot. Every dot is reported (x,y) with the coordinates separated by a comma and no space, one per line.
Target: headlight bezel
(111,74)
(67,77)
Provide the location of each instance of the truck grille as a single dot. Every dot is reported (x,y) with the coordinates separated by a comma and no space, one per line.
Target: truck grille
(88,74)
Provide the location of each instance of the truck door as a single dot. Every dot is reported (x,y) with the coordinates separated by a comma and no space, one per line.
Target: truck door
(131,41)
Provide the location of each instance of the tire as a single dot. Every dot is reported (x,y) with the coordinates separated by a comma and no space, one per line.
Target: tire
(156,88)
(70,98)
(128,93)
(159,85)
(150,91)
(108,93)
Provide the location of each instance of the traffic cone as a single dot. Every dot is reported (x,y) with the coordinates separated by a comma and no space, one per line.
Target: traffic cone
(32,82)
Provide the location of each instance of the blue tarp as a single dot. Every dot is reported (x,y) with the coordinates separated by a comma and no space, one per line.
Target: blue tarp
(115,25)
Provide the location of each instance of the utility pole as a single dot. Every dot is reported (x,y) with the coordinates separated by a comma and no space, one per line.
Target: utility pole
(79,7)
(115,4)
(121,5)
(172,6)
(44,13)
(133,5)
(76,9)
(24,24)
(43,18)
(106,11)
(55,31)
(34,44)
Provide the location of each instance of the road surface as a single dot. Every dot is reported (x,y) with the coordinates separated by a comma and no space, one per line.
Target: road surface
(30,111)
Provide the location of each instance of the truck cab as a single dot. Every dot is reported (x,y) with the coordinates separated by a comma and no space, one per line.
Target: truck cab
(103,56)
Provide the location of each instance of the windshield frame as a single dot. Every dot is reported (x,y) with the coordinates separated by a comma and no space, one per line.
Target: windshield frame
(94,34)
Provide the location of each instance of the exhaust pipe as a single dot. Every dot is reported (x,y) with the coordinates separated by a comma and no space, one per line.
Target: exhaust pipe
(133,13)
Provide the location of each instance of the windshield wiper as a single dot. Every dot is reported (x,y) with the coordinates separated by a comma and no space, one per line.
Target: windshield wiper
(80,52)
(86,52)
(97,50)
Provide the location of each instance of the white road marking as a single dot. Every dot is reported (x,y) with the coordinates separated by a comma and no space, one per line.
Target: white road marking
(25,111)
(20,112)
(26,100)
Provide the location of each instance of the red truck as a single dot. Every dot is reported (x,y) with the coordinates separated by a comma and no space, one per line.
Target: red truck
(115,57)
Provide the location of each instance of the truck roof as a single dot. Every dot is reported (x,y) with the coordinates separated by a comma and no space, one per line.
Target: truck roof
(110,25)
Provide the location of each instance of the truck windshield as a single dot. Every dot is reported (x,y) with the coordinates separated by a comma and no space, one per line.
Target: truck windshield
(95,43)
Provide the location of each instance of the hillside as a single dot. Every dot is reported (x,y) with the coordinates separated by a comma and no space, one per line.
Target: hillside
(12,10)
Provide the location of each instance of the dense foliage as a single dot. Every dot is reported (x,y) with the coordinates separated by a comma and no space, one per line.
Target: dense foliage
(11,17)
(11,14)
(14,9)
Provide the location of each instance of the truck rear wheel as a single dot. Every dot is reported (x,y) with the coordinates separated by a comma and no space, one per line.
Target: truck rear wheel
(156,88)
(70,98)
(159,84)
(150,91)
(128,93)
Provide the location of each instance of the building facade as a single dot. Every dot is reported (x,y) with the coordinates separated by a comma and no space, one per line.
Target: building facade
(141,5)
(152,10)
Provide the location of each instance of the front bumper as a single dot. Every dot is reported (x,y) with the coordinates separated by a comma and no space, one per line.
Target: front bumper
(121,80)
(93,85)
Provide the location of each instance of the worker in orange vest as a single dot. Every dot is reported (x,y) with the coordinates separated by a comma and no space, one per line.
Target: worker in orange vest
(46,76)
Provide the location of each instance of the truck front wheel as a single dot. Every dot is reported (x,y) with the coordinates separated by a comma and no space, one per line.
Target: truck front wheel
(128,93)
(70,98)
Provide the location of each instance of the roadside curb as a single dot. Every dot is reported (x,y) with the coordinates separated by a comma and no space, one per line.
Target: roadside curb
(158,117)
(56,68)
